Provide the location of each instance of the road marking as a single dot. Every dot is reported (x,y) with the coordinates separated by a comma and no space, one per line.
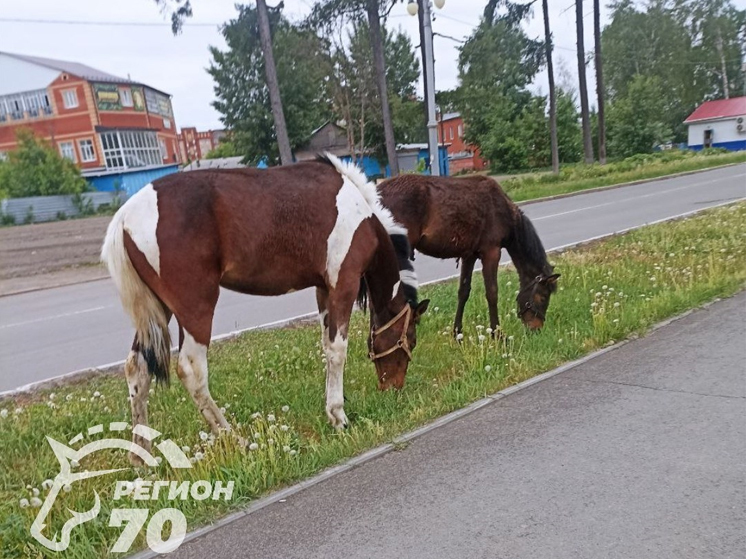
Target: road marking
(635,198)
(63,315)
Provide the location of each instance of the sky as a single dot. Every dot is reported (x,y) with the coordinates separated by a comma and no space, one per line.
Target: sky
(133,38)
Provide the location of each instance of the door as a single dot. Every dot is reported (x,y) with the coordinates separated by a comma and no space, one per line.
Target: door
(708,138)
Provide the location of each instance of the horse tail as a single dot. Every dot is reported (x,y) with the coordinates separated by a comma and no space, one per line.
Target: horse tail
(145,309)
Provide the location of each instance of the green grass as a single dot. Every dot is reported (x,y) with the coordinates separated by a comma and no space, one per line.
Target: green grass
(608,292)
(575,178)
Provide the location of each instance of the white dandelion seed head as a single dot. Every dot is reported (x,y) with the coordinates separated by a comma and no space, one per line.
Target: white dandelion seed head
(47,484)
(271,418)
(480,327)
(185,449)
(560,341)
(286,448)
(222,410)
(489,330)
(270,441)
(253,446)
(52,396)
(293,452)
(198,456)
(23,503)
(69,397)
(35,492)
(285,409)
(67,488)
(616,305)
(3,413)
(511,338)
(436,309)
(481,338)
(284,428)
(487,368)
(203,436)
(18,411)
(459,336)
(97,394)
(35,502)
(257,435)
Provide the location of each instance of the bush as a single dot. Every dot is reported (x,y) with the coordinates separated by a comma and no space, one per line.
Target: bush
(37,169)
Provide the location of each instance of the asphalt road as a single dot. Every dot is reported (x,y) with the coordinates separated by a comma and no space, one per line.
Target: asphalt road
(639,453)
(48,333)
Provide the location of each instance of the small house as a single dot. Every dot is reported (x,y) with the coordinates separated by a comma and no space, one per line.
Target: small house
(718,124)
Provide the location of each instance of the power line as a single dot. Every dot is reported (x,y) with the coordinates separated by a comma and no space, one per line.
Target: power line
(102,23)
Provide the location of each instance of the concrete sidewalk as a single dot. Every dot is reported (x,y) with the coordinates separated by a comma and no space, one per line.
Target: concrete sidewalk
(640,453)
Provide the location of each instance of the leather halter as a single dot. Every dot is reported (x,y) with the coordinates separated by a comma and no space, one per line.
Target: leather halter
(402,343)
(530,305)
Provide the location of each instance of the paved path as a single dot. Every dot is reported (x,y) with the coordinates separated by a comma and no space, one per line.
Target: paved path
(49,333)
(638,454)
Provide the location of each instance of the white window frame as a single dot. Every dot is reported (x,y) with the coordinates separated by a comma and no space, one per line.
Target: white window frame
(87,151)
(67,150)
(450,132)
(125,96)
(460,130)
(70,98)
(164,149)
(130,149)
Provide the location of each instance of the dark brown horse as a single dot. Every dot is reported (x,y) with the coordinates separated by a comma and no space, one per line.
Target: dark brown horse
(319,224)
(469,219)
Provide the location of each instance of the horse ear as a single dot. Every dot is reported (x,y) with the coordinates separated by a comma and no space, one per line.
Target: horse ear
(421,309)
(552,278)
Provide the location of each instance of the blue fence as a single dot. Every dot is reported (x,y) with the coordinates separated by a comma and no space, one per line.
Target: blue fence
(129,181)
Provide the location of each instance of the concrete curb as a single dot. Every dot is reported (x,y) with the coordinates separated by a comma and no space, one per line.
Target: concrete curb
(623,184)
(282,494)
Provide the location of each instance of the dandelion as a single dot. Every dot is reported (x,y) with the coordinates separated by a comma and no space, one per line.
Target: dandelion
(604,287)
(35,492)
(47,484)
(487,368)
(286,448)
(158,460)
(83,399)
(107,409)
(459,336)
(203,436)
(3,413)
(480,327)
(594,304)
(23,503)
(284,428)
(222,410)
(505,356)
(270,441)
(560,341)
(294,452)
(151,391)
(511,338)
(35,502)
(74,463)
(67,488)
(185,449)
(253,446)
(193,460)
(285,409)
(52,396)
(489,330)
(616,320)
(616,305)
(481,338)
(97,394)
(271,418)
(436,309)
(69,397)
(508,284)
(18,411)
(227,405)
(198,456)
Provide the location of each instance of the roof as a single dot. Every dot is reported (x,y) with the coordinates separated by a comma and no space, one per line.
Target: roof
(76,69)
(722,108)
(451,116)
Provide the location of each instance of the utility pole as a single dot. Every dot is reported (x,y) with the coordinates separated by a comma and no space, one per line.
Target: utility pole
(432,124)
(599,82)
(583,86)
(552,91)
(281,130)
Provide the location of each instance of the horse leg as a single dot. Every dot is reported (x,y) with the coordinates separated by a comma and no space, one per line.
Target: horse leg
(464,289)
(334,335)
(138,384)
(322,301)
(490,264)
(192,363)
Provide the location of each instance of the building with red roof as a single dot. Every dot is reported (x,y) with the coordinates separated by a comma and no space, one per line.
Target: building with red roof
(718,124)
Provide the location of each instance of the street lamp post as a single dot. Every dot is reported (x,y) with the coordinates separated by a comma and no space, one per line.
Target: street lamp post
(429,62)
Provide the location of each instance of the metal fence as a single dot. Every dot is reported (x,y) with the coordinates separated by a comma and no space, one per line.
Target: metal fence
(49,208)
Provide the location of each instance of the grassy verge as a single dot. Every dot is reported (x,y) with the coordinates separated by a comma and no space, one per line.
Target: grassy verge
(609,291)
(576,178)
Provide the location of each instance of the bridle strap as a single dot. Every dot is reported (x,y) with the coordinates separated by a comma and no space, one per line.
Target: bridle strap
(530,306)
(402,342)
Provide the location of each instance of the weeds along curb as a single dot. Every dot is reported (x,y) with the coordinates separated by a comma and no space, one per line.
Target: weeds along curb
(116,367)
(406,438)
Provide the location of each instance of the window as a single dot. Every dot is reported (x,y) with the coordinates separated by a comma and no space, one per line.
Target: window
(450,132)
(125,96)
(126,149)
(87,153)
(70,98)
(67,149)
(460,130)
(3,156)
(151,101)
(163,148)
(166,123)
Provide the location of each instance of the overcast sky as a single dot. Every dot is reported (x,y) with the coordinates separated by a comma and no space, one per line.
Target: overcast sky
(151,54)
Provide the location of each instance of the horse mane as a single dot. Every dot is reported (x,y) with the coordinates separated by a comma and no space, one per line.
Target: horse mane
(527,241)
(396,232)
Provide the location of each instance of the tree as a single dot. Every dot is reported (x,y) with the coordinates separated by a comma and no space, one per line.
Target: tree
(183,10)
(326,12)
(582,85)
(637,121)
(569,135)
(226,148)
(599,82)
(303,66)
(283,143)
(552,92)
(35,168)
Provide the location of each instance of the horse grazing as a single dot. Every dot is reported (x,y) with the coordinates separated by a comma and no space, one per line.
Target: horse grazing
(468,219)
(318,224)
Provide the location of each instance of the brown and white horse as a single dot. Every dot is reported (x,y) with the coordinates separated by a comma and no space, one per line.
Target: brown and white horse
(318,224)
(472,218)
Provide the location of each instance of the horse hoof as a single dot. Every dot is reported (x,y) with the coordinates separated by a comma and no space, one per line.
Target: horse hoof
(337,418)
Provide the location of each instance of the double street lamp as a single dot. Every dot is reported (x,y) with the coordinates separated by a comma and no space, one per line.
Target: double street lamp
(429,63)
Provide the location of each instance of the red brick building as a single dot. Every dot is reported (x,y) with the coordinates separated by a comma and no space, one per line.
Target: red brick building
(194,145)
(100,121)
(461,156)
